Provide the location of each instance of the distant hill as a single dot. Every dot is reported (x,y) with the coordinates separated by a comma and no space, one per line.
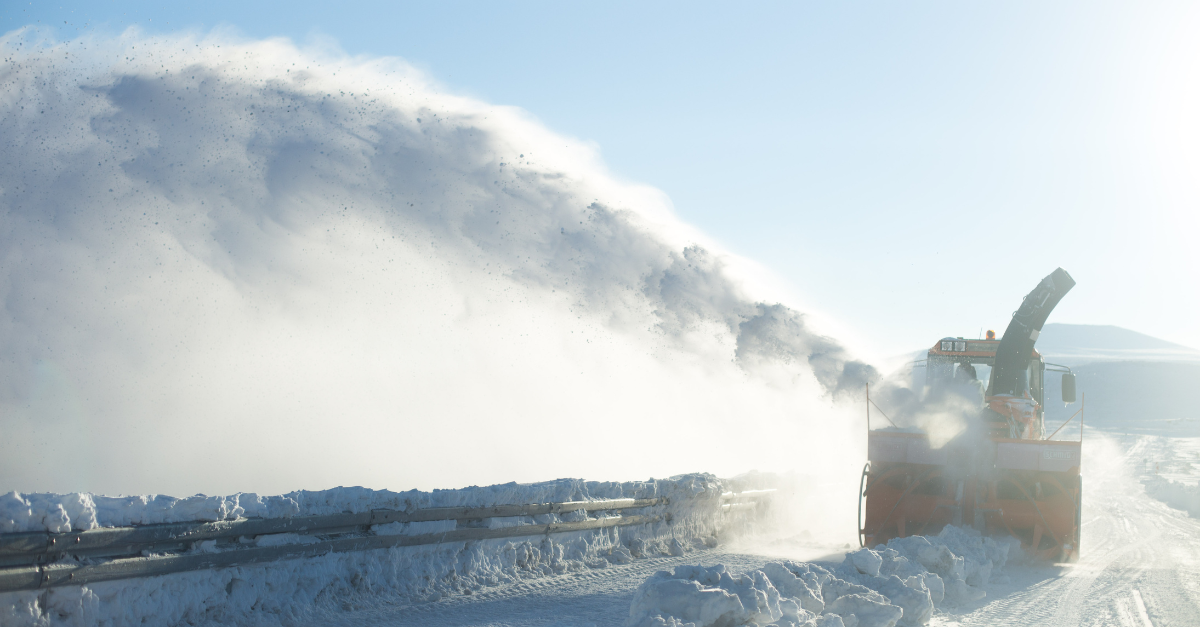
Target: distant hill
(1130,396)
(1102,336)
(1086,343)
(1134,382)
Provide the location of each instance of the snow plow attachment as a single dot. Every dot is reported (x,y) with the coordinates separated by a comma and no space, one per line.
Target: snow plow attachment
(1030,490)
(997,472)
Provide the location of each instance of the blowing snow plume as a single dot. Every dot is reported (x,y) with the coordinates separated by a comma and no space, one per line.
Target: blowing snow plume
(244,266)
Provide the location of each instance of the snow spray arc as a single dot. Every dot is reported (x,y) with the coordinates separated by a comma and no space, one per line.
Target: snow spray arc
(293,270)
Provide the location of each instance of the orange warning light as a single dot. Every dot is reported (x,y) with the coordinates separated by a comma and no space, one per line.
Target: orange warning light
(991,334)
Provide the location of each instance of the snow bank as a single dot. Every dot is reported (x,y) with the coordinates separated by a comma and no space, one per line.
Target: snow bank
(898,584)
(80,511)
(286,591)
(59,513)
(1178,495)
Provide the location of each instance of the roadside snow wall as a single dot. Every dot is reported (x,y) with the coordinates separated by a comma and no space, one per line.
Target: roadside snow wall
(898,584)
(1177,495)
(282,592)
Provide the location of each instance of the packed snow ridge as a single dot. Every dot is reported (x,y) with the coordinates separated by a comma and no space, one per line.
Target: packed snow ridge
(901,583)
(1177,495)
(80,511)
(285,592)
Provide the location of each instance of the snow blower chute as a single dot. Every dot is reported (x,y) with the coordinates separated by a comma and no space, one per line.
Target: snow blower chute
(999,473)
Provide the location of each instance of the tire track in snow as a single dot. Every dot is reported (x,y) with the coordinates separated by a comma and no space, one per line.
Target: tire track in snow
(1141,609)
(1140,562)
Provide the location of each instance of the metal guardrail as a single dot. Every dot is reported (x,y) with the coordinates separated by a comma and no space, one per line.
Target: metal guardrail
(17,548)
(745,500)
(70,572)
(35,560)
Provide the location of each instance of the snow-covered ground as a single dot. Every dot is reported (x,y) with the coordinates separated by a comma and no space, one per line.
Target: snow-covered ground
(686,515)
(1140,565)
(59,513)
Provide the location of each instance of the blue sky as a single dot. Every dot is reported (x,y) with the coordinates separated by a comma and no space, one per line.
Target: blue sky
(910,171)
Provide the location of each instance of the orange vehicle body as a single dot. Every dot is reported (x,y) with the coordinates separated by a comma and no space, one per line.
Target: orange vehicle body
(1003,477)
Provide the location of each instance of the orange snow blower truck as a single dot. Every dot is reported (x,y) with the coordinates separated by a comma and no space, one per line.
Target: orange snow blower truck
(1000,473)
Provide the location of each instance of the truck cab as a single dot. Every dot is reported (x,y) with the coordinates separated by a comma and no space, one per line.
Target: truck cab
(957,362)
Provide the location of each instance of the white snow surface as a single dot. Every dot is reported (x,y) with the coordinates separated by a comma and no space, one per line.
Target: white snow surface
(898,584)
(285,591)
(1178,495)
(1140,565)
(81,511)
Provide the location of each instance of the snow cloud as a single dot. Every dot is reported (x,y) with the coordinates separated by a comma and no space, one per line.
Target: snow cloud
(242,265)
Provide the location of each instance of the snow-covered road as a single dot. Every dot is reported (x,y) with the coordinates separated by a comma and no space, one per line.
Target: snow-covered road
(1140,565)
(1141,558)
